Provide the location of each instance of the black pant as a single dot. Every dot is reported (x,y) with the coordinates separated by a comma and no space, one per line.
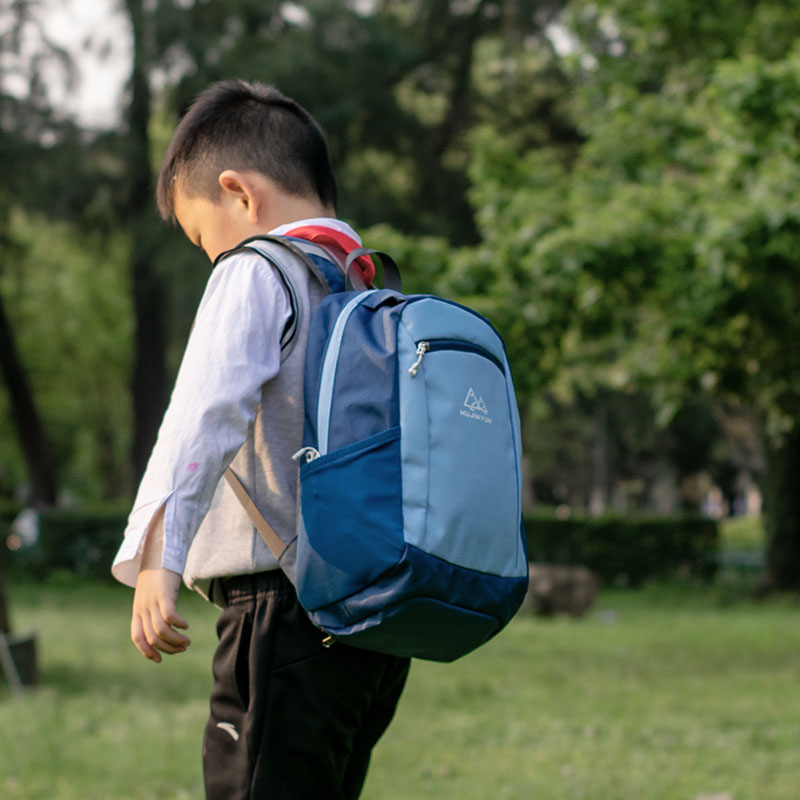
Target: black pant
(290,719)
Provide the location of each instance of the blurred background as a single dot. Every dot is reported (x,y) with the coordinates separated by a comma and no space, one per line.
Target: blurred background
(614,183)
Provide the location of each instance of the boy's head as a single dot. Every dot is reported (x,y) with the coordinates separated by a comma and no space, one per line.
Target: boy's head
(239,136)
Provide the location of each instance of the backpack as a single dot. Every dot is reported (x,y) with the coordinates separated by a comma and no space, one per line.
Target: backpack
(410,538)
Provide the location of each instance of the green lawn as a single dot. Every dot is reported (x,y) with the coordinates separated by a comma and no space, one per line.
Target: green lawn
(670,692)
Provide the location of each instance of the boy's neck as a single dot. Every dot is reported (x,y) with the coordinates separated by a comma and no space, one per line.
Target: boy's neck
(293,209)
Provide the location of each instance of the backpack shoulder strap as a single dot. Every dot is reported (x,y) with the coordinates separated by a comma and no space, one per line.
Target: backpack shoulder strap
(317,273)
(391,272)
(273,541)
(276,545)
(289,244)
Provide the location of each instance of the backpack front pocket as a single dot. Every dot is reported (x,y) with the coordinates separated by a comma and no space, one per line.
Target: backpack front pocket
(352,518)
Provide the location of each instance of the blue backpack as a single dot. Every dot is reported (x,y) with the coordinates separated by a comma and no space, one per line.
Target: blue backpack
(410,538)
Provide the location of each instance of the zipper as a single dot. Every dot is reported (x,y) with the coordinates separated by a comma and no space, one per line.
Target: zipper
(307,453)
(422,348)
(434,345)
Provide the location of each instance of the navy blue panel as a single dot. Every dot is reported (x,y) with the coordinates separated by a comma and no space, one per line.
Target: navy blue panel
(424,581)
(441,631)
(321,326)
(365,393)
(331,272)
(353,519)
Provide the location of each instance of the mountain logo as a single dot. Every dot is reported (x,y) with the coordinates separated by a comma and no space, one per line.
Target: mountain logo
(475,408)
(475,403)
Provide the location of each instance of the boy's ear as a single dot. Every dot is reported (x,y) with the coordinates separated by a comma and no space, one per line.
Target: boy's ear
(241,189)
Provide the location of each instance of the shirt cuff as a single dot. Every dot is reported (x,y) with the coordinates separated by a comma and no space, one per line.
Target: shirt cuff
(128,560)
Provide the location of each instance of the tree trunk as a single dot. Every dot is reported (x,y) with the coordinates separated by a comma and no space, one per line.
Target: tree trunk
(30,431)
(149,377)
(782,512)
(598,493)
(5,622)
(149,365)
(32,439)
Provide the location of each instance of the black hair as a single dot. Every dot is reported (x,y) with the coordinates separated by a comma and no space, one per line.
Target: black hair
(243,125)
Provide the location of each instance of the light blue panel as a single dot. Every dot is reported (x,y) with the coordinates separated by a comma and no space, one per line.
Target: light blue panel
(473,496)
(461,444)
(472,462)
(414,442)
(431,318)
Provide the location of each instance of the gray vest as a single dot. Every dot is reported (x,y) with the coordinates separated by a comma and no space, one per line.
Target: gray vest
(227,543)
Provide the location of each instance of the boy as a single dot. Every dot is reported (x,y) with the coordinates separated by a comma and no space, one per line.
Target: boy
(289,718)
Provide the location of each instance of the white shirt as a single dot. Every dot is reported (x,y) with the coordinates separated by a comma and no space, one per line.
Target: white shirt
(234,348)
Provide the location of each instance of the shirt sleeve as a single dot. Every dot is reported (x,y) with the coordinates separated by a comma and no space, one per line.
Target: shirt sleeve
(234,348)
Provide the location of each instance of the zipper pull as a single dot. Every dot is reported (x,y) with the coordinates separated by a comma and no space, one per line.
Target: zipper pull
(422,348)
(309,453)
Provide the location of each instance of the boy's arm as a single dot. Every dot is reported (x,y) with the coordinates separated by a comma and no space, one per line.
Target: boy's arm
(233,350)
(155,614)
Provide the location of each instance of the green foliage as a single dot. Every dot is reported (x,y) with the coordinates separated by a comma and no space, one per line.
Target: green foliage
(68,297)
(657,252)
(81,543)
(660,257)
(8,512)
(613,183)
(624,43)
(395,85)
(630,550)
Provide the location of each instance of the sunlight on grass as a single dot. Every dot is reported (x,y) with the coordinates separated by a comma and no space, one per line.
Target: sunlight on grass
(106,724)
(639,701)
(666,693)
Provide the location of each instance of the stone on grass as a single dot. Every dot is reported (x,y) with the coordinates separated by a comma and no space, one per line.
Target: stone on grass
(557,589)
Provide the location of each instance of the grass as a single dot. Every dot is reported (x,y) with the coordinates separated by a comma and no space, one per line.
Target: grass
(671,692)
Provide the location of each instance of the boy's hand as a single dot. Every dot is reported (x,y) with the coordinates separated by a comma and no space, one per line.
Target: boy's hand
(155,602)
(155,614)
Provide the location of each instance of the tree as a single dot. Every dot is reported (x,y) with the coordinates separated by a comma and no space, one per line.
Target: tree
(396,86)
(372,77)
(149,375)
(68,294)
(21,134)
(26,125)
(33,440)
(663,257)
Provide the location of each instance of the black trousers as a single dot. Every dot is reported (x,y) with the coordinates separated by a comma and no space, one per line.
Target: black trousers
(290,719)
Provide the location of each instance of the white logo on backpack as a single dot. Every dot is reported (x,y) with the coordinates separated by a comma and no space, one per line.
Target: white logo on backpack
(476,408)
